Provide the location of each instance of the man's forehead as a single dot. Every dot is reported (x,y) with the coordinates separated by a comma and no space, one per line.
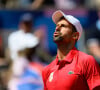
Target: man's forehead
(63,21)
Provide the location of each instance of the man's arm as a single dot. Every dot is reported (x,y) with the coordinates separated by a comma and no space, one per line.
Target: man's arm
(44,75)
(92,73)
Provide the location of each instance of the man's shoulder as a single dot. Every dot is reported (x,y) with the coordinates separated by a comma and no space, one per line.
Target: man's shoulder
(14,33)
(84,53)
(49,66)
(84,57)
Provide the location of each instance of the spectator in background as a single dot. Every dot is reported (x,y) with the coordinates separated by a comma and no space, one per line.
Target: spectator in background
(22,4)
(65,4)
(26,70)
(92,4)
(48,4)
(29,4)
(1,51)
(42,50)
(3,3)
(3,66)
(15,39)
(93,39)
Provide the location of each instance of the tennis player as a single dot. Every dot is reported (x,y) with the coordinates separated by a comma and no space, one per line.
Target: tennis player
(71,69)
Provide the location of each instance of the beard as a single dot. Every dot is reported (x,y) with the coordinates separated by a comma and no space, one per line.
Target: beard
(57,38)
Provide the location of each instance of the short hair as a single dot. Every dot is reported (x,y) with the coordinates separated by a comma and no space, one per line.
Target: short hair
(74,28)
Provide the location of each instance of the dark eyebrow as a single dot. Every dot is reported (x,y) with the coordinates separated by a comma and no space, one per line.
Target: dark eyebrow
(62,25)
(61,18)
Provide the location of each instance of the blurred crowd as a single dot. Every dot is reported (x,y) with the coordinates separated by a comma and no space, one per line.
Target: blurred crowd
(25,55)
(41,4)
(20,64)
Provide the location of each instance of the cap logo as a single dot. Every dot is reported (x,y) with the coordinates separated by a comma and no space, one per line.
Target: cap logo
(70,72)
(51,77)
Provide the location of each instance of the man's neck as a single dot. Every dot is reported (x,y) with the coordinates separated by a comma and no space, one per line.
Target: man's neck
(25,30)
(63,50)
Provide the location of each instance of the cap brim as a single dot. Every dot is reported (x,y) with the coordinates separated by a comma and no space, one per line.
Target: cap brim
(57,15)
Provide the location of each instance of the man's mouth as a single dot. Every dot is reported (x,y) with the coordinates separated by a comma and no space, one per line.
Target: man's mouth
(56,34)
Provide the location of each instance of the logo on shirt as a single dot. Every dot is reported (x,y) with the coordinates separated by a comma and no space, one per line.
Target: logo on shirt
(51,77)
(70,72)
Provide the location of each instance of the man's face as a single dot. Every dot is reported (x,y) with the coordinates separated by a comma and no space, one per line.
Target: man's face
(63,31)
(27,26)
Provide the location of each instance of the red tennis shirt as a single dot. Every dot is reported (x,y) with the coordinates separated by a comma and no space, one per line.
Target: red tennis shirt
(78,71)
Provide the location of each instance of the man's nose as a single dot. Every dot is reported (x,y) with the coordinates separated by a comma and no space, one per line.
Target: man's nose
(57,28)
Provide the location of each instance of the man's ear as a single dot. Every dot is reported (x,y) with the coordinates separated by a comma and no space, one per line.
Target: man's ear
(75,35)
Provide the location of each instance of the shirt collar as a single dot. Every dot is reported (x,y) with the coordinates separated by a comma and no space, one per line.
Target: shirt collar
(69,57)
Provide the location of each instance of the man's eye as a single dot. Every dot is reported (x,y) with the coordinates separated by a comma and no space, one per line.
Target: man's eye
(63,25)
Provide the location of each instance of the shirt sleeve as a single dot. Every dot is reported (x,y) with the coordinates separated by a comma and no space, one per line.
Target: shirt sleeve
(44,77)
(92,73)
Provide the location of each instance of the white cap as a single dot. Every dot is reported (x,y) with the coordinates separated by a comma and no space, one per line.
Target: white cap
(71,19)
(20,40)
(29,41)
